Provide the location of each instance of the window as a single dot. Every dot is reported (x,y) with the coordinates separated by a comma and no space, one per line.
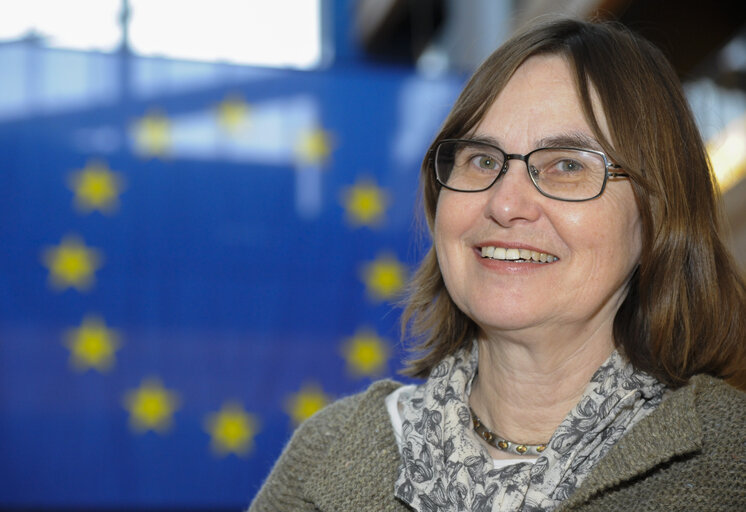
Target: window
(75,24)
(277,33)
(282,33)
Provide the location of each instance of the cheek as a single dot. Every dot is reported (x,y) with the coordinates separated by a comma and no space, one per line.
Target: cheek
(606,238)
(446,222)
(450,225)
(634,235)
(630,231)
(442,233)
(619,237)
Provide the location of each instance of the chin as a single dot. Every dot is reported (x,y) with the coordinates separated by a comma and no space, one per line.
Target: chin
(508,319)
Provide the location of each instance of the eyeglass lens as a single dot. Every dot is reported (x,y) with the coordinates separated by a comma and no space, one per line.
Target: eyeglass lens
(572,174)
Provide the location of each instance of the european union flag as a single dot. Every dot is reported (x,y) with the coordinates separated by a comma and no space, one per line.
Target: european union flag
(190,269)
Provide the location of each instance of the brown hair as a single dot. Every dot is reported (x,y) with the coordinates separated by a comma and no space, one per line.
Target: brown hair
(684,312)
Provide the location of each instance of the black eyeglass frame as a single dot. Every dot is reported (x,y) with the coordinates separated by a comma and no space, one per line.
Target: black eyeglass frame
(524,158)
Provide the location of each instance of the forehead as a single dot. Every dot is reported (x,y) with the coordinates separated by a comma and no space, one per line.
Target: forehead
(540,101)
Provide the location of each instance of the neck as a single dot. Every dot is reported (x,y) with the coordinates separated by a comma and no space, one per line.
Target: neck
(524,391)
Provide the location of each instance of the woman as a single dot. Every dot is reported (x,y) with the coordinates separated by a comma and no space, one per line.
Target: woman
(577,310)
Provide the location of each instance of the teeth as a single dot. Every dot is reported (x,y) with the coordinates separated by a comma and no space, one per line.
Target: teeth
(501,253)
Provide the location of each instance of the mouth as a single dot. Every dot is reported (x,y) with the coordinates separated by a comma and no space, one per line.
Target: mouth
(517,255)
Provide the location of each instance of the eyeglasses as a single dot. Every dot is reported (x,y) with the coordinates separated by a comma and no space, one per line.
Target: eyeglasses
(566,174)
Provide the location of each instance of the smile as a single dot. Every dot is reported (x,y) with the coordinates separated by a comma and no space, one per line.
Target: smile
(518,255)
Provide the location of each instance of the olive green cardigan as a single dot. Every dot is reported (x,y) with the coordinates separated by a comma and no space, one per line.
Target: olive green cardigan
(688,455)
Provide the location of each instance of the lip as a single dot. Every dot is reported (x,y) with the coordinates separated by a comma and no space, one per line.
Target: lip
(510,266)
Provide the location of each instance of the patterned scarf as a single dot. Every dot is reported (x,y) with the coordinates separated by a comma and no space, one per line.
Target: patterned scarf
(445,467)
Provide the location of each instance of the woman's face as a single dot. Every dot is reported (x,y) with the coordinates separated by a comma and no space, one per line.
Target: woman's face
(596,243)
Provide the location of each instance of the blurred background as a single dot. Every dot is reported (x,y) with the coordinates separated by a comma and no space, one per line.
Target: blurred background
(207,210)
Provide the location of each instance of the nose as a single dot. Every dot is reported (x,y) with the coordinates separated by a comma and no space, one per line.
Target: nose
(513,198)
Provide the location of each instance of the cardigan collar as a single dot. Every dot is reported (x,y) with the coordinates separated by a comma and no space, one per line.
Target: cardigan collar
(672,430)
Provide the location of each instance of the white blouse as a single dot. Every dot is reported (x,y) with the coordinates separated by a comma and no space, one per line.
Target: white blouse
(392,406)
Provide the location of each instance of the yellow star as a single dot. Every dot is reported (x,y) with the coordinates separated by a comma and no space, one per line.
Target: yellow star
(313,147)
(92,345)
(232,113)
(71,264)
(153,134)
(366,354)
(365,203)
(384,277)
(151,406)
(96,188)
(303,404)
(232,430)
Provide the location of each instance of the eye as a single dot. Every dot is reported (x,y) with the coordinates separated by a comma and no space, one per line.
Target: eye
(569,166)
(484,162)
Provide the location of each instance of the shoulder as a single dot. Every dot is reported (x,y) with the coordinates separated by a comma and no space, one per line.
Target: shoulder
(336,415)
(359,412)
(688,454)
(709,389)
(327,440)
(355,426)
(708,412)
(721,411)
(720,407)
(712,414)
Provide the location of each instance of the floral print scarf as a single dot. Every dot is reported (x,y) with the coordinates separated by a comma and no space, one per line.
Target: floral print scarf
(445,467)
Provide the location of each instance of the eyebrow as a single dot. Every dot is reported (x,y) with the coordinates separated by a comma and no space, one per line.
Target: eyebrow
(569,139)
